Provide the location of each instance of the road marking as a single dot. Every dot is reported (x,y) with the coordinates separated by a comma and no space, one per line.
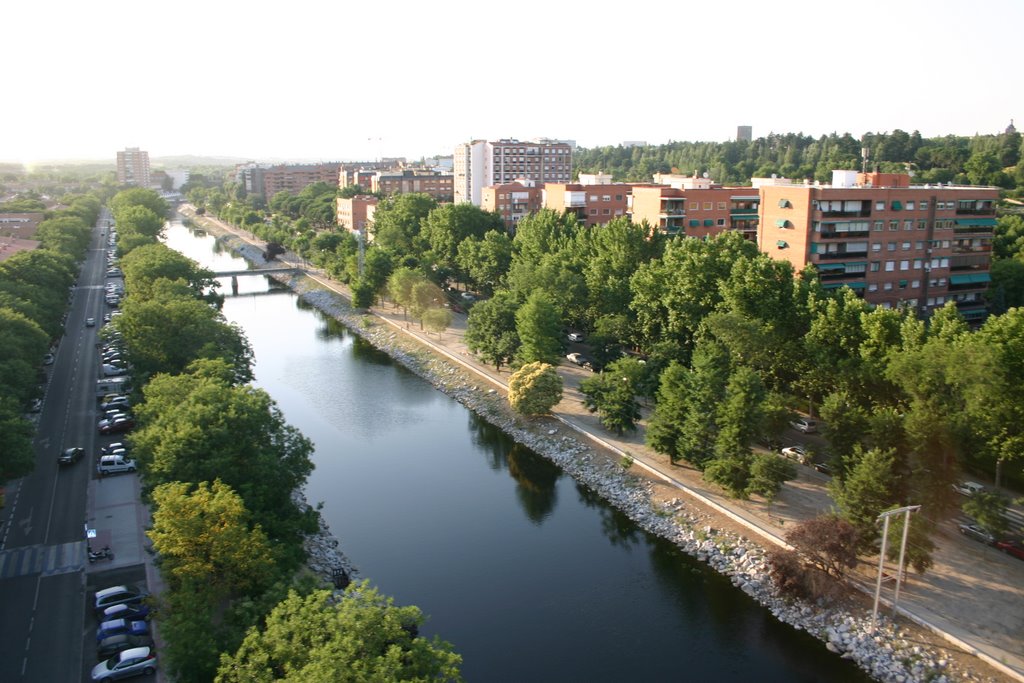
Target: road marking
(45,560)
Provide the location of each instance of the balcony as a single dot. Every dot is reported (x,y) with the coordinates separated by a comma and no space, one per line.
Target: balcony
(967,282)
(833,255)
(841,235)
(983,211)
(864,212)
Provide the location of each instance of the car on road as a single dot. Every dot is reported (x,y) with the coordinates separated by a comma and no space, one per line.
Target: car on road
(138,661)
(70,456)
(575,337)
(968,488)
(117,595)
(111,645)
(804,425)
(48,359)
(977,533)
(797,453)
(1012,546)
(577,358)
(120,424)
(823,467)
(90,322)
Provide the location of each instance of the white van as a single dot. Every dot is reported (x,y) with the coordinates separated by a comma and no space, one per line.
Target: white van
(112,464)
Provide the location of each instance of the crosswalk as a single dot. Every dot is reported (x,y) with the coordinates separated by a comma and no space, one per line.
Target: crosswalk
(43,559)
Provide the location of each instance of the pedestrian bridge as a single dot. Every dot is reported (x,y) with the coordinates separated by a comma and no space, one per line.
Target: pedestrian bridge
(257,271)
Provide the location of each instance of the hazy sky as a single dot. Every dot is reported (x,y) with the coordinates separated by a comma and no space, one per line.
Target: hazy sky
(304,79)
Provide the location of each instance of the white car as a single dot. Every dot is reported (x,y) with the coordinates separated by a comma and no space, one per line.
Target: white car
(796,453)
(968,488)
(575,336)
(804,425)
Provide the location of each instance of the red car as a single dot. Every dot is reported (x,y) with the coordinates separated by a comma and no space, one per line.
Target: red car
(1012,547)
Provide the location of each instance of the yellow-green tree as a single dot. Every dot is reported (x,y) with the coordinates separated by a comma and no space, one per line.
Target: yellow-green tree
(534,389)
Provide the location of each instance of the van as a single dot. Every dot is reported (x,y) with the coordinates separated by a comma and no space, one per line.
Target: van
(116,385)
(112,464)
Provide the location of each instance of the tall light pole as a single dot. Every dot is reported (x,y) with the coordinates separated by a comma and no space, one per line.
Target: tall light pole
(885,516)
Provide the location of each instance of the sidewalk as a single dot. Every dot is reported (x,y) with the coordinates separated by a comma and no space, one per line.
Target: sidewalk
(973,599)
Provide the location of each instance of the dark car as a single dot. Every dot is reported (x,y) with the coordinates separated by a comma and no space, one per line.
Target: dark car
(111,645)
(117,595)
(115,627)
(1012,547)
(120,424)
(70,456)
(116,448)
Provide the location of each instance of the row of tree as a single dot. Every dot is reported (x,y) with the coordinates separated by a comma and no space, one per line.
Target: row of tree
(34,298)
(221,465)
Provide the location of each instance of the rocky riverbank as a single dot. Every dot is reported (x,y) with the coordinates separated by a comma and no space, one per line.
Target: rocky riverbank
(887,654)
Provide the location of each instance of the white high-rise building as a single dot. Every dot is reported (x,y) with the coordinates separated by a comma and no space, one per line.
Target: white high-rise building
(479,164)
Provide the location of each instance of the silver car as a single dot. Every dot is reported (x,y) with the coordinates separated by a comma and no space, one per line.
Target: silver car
(138,661)
(977,533)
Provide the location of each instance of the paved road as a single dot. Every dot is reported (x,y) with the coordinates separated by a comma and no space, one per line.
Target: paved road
(973,595)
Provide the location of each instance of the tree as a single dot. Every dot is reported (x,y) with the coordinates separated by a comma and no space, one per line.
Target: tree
(671,408)
(866,492)
(449,225)
(485,261)
(612,395)
(424,296)
(437,319)
(988,509)
(739,415)
(538,326)
(828,542)
(491,329)
(768,472)
(706,387)
(361,636)
(203,534)
(400,286)
(534,389)
(397,223)
(16,455)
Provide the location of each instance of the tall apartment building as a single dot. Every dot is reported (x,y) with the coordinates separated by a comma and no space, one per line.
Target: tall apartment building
(695,207)
(744,133)
(595,199)
(133,167)
(512,201)
(294,177)
(480,163)
(434,183)
(898,244)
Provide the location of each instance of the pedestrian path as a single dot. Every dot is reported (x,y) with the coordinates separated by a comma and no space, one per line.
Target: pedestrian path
(43,559)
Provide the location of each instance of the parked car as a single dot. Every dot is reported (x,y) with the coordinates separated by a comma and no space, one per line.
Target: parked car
(467,296)
(575,336)
(111,645)
(115,448)
(1012,546)
(117,402)
(823,467)
(129,612)
(70,456)
(138,661)
(48,359)
(968,488)
(115,464)
(804,425)
(111,370)
(121,424)
(37,405)
(796,453)
(111,415)
(115,627)
(117,595)
(977,533)
(577,358)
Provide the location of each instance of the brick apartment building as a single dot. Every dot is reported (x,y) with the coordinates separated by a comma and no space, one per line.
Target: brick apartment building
(595,199)
(695,207)
(898,244)
(479,164)
(434,183)
(512,201)
(293,178)
(356,213)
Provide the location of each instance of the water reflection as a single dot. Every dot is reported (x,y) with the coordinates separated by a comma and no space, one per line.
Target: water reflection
(617,527)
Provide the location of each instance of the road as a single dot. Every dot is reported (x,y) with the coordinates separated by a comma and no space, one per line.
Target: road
(42,548)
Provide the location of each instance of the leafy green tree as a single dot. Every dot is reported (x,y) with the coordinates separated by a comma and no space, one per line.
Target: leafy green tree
(828,542)
(203,534)
(739,415)
(137,196)
(845,423)
(449,225)
(491,330)
(144,265)
(485,261)
(768,472)
(919,541)
(16,455)
(534,389)
(1009,236)
(400,286)
(988,508)
(731,472)
(397,223)
(1007,288)
(538,326)
(24,344)
(362,636)
(670,411)
(437,319)
(866,492)
(706,387)
(612,395)
(140,220)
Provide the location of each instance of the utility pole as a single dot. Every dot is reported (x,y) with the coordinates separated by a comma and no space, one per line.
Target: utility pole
(884,517)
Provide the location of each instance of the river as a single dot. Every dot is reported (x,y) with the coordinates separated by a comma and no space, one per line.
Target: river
(530,576)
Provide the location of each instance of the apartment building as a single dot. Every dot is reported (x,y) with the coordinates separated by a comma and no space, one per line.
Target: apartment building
(512,201)
(695,207)
(356,213)
(481,163)
(434,183)
(895,243)
(133,167)
(595,199)
(293,178)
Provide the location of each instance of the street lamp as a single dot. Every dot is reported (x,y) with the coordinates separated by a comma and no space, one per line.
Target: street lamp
(885,516)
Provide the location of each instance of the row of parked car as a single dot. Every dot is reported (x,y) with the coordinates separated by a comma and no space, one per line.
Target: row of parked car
(124,646)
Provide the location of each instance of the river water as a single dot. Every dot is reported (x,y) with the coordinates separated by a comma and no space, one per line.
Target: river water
(530,576)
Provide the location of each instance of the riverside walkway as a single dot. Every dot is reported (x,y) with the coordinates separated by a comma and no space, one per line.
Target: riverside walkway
(973,596)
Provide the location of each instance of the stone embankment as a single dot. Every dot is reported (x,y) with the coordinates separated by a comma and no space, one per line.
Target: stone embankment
(886,653)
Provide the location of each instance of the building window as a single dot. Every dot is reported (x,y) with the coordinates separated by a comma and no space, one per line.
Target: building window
(618,197)
(888,286)
(721,206)
(922,224)
(694,206)
(879,226)
(708,206)
(923,205)
(890,266)
(785,204)
(593,197)
(904,265)
(606,198)
(875,266)
(606,212)
(915,284)
(877,246)
(918,264)
(721,222)
(593,212)
(905,246)
(891,246)
(879,206)
(894,226)
(910,206)
(919,245)
(903,284)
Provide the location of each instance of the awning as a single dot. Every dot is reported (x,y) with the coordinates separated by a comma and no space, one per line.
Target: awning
(837,285)
(709,222)
(782,223)
(977,222)
(972,279)
(784,204)
(782,244)
(830,266)
(694,223)
(897,206)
